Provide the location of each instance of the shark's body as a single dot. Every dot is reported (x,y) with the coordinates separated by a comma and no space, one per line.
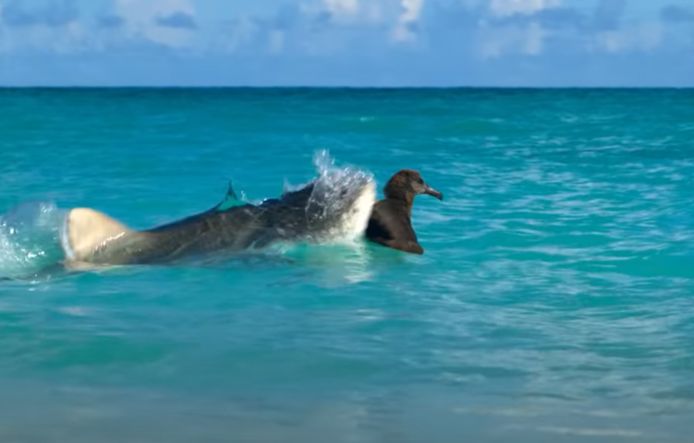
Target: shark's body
(310,213)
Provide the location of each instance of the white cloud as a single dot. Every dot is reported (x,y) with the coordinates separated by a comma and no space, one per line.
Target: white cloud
(141,20)
(644,37)
(342,8)
(350,12)
(533,43)
(411,10)
(4,44)
(237,34)
(505,8)
(66,38)
(276,41)
(500,40)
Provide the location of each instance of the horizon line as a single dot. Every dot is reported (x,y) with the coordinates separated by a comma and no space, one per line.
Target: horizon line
(334,87)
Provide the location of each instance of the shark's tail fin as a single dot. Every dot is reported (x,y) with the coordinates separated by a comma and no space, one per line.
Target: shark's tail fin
(87,232)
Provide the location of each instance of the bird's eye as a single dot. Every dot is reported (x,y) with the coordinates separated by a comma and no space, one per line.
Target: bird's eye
(420,181)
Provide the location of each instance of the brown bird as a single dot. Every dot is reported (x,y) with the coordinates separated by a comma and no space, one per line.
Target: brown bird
(390,224)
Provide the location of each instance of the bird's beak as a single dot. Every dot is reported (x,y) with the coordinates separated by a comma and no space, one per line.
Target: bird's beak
(433,192)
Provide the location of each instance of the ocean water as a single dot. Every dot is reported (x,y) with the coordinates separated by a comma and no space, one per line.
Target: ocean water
(554,302)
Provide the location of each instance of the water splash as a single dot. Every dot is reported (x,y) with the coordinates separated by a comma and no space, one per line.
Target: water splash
(30,239)
(342,195)
(337,209)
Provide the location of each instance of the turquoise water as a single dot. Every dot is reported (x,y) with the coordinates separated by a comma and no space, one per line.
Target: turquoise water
(554,303)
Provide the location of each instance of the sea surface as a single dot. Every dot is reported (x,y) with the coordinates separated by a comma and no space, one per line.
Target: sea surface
(554,302)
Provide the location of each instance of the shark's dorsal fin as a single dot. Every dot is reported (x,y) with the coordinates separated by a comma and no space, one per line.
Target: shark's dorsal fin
(230,199)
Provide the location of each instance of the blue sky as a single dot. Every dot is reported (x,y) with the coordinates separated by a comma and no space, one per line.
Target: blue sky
(347,42)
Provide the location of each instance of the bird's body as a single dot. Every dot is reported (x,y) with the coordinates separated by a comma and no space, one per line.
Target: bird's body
(390,225)
(390,222)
